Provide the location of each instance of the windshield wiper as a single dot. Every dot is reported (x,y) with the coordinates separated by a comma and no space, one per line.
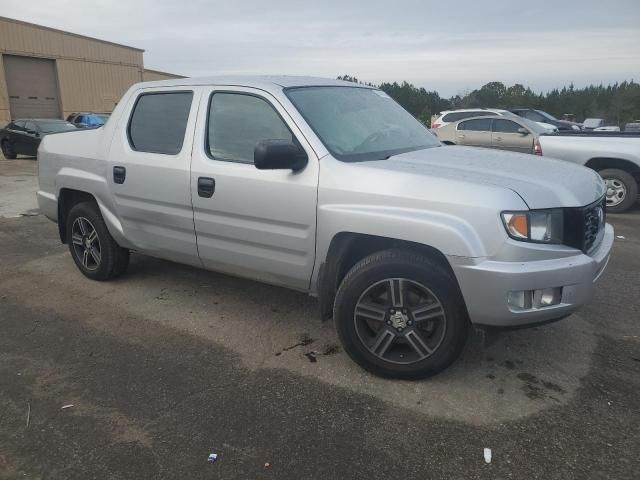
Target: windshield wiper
(402,152)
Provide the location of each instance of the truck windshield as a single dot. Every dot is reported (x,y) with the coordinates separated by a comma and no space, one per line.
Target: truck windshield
(360,124)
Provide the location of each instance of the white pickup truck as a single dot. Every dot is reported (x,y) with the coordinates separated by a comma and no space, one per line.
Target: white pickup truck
(332,189)
(615,156)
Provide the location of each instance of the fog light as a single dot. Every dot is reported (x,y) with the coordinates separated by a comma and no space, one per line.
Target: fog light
(547,297)
(532,299)
(520,299)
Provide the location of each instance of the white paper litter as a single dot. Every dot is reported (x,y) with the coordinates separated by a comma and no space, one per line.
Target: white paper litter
(487,455)
(621,237)
(212,457)
(64,407)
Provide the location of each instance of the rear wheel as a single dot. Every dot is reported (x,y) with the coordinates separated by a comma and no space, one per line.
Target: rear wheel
(8,151)
(622,189)
(92,247)
(399,314)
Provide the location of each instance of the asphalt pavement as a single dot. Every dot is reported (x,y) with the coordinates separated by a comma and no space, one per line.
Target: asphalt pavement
(170,363)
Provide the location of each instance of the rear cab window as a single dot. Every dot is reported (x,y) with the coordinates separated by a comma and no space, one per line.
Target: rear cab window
(158,122)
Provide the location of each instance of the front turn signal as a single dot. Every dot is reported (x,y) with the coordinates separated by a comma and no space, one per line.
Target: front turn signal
(517,224)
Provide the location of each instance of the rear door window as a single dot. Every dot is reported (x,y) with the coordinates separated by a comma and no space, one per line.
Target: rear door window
(159,121)
(505,126)
(476,125)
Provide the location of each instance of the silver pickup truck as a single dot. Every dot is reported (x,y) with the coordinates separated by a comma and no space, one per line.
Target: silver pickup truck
(616,156)
(332,189)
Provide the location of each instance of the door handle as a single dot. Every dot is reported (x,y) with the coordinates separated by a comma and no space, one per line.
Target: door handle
(206,187)
(499,139)
(460,136)
(119,174)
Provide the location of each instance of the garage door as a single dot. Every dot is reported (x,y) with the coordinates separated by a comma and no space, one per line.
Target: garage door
(33,87)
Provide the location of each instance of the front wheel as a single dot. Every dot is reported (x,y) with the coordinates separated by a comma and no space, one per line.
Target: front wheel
(622,189)
(92,247)
(8,150)
(399,314)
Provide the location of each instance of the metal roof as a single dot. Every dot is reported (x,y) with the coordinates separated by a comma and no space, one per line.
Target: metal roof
(264,82)
(21,22)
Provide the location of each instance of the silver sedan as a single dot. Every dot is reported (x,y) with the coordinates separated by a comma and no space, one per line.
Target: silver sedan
(505,133)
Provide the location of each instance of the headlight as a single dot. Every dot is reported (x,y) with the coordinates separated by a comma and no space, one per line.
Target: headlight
(540,226)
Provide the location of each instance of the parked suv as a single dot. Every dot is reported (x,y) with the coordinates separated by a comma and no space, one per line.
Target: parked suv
(544,117)
(632,127)
(85,120)
(451,116)
(333,189)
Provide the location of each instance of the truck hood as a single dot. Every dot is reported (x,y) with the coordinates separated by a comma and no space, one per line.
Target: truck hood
(541,182)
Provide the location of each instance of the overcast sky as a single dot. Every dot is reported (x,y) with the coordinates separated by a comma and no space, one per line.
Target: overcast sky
(444,45)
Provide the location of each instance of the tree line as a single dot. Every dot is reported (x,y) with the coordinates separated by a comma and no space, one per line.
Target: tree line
(617,104)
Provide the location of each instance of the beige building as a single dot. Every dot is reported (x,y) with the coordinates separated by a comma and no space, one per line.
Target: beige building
(50,73)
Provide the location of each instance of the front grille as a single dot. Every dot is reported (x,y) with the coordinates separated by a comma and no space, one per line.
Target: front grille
(583,225)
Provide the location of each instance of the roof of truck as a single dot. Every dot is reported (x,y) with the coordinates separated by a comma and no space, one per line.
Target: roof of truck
(265,82)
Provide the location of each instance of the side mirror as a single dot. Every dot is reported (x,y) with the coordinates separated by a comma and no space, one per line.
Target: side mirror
(279,155)
(523,131)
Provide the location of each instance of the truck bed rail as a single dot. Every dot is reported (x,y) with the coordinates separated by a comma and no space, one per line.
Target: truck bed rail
(575,133)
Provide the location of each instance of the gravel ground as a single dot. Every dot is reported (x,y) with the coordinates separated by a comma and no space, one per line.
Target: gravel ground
(171,363)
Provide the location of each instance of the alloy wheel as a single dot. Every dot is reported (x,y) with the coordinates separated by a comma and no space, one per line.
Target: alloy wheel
(400,320)
(86,244)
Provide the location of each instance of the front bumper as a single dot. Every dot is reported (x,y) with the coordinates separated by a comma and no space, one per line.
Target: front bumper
(486,285)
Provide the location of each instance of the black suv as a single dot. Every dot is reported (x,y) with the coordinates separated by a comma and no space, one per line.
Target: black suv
(540,116)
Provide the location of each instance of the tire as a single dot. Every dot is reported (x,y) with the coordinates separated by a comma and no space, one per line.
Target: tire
(8,151)
(622,190)
(93,249)
(431,311)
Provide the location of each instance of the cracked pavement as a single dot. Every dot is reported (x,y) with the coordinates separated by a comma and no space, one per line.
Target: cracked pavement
(171,363)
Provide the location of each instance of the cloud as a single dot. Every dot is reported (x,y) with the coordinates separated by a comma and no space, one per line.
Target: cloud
(444,46)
